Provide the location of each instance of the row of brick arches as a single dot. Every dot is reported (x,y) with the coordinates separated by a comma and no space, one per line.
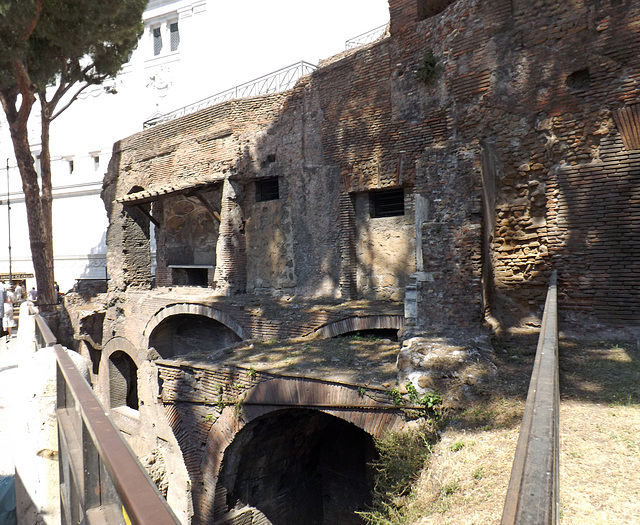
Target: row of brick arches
(298,451)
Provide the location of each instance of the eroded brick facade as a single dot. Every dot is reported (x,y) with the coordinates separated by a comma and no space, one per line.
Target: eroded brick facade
(507,128)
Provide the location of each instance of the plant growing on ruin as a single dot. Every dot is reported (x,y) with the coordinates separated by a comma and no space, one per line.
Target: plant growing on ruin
(401,458)
(429,69)
(52,50)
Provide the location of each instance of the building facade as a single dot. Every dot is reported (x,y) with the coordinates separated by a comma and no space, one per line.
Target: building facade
(429,182)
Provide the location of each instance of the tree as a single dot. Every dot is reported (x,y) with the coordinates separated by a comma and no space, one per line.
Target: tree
(51,51)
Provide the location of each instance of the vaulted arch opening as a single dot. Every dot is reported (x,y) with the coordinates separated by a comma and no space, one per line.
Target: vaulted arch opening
(123,381)
(184,334)
(297,466)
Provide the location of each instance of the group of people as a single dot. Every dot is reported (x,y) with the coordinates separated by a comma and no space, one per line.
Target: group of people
(10,296)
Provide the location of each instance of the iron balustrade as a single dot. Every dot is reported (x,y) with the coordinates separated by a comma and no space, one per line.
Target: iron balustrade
(533,493)
(366,38)
(275,82)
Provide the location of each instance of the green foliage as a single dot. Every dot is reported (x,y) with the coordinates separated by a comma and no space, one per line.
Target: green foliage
(68,41)
(429,68)
(402,456)
(396,397)
(430,401)
(457,446)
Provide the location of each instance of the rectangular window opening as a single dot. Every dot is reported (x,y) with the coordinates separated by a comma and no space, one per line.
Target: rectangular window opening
(267,190)
(157,41)
(70,166)
(175,36)
(96,162)
(387,203)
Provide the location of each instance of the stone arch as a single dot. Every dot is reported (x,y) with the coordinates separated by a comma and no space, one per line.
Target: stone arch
(192,309)
(118,373)
(273,396)
(359,323)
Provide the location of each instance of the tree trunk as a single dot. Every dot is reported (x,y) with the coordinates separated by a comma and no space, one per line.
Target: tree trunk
(38,206)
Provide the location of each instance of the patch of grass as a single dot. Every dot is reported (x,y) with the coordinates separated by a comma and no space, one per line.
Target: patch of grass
(458,445)
(402,457)
(451,488)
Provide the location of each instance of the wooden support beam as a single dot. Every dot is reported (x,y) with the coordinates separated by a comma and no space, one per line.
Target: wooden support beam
(210,208)
(148,214)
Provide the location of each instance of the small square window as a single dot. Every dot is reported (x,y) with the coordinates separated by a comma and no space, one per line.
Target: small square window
(157,41)
(387,203)
(267,190)
(175,36)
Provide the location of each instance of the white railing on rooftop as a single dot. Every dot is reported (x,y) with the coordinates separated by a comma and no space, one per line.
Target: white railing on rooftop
(275,82)
(366,38)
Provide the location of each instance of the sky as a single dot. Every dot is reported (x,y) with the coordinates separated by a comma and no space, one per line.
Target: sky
(256,37)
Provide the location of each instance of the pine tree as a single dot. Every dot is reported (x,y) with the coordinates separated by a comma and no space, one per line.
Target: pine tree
(51,51)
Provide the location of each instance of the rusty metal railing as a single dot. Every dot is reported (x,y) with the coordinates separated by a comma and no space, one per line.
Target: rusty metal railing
(533,493)
(275,82)
(366,38)
(101,479)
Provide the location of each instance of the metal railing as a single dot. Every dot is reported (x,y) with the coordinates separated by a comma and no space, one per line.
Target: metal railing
(101,479)
(275,82)
(533,493)
(366,38)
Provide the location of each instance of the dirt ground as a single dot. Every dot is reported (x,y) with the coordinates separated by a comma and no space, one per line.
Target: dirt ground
(467,478)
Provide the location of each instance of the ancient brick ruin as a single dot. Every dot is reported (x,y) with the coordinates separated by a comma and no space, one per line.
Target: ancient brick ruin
(437,175)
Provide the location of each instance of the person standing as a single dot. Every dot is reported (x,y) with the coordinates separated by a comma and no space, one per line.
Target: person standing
(33,295)
(8,321)
(18,293)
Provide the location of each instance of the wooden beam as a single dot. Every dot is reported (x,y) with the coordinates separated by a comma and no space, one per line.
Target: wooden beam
(210,208)
(151,217)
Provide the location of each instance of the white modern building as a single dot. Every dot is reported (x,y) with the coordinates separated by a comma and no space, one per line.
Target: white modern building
(184,56)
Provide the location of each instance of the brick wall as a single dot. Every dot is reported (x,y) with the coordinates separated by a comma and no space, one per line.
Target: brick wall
(534,84)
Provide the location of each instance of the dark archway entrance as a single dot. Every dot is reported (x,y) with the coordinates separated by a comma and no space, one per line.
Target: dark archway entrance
(297,466)
(123,381)
(184,334)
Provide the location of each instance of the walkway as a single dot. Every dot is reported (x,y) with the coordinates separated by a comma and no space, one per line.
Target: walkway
(9,421)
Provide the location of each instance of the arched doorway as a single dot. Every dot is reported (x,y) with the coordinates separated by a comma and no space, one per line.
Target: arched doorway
(123,381)
(185,333)
(297,466)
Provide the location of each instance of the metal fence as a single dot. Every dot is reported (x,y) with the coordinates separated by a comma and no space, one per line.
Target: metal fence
(101,479)
(533,493)
(366,38)
(275,82)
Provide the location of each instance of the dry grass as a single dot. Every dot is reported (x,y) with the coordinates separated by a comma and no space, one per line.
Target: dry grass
(599,433)
(467,476)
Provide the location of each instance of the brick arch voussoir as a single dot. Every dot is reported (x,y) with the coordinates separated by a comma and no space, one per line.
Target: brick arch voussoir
(121,344)
(192,309)
(278,394)
(357,323)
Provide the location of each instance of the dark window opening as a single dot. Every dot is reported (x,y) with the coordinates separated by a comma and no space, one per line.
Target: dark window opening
(190,277)
(389,203)
(579,80)
(429,8)
(157,41)
(175,36)
(267,190)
